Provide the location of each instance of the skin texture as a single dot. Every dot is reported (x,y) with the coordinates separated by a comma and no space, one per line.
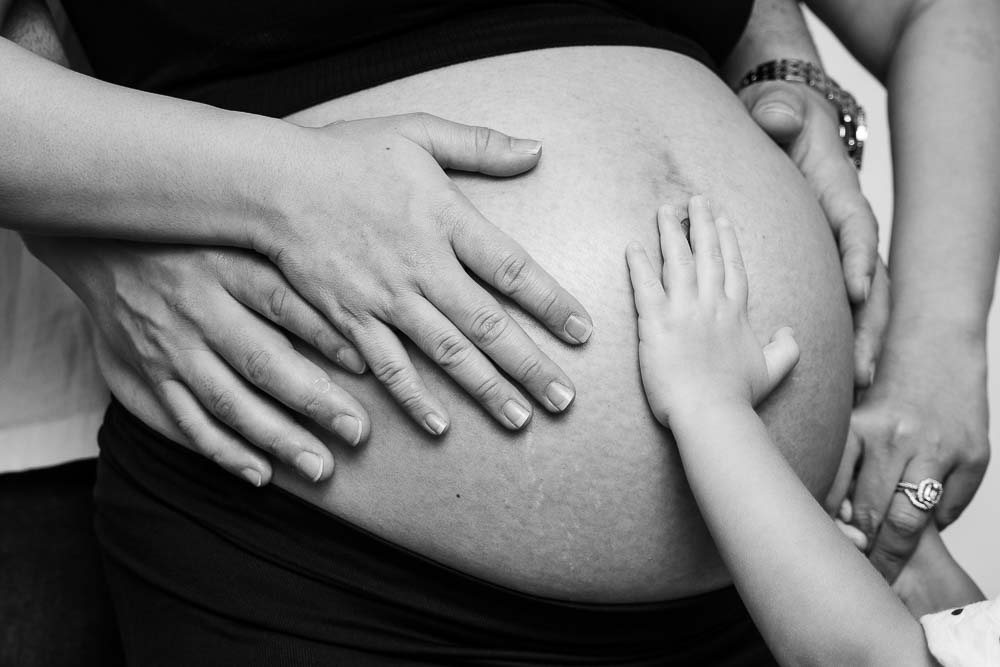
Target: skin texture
(591,505)
(816,600)
(203,328)
(926,415)
(375,267)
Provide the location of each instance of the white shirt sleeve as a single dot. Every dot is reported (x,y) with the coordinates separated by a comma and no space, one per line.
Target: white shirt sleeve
(965,636)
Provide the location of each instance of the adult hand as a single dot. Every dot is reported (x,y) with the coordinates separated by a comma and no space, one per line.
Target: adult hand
(925,416)
(373,233)
(203,331)
(803,122)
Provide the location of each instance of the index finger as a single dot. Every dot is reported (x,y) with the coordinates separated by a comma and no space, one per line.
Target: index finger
(506,266)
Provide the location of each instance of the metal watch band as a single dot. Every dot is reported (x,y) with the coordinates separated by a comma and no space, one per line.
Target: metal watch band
(853,129)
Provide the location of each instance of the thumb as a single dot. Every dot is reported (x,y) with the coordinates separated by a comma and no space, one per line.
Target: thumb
(780,357)
(779,110)
(470,147)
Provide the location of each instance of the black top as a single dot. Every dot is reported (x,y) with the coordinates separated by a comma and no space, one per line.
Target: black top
(275,57)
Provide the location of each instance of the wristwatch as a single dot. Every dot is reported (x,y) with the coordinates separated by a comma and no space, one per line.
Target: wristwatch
(853,130)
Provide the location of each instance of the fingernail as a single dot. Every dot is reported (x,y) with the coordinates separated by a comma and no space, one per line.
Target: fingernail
(309,466)
(351,360)
(529,146)
(866,289)
(253,476)
(347,427)
(516,413)
(578,328)
(435,424)
(783,109)
(871,374)
(559,395)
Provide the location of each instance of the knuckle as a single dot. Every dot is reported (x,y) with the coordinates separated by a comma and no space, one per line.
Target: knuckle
(888,561)
(320,337)
(650,284)
(979,452)
(450,212)
(222,403)
(512,273)
(188,429)
(421,118)
(549,305)
(272,443)
(905,523)
(257,367)
(685,261)
(277,301)
(399,381)
(389,372)
(312,405)
(353,327)
(713,254)
(488,391)
(483,137)
(489,325)
(450,349)
(868,519)
(530,369)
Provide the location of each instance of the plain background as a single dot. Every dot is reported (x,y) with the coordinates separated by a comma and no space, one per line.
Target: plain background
(975,537)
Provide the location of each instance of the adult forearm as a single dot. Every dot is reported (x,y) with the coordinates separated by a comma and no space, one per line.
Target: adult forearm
(88,158)
(939,61)
(776,29)
(944,101)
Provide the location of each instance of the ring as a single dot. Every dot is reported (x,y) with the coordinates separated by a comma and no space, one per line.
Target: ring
(925,495)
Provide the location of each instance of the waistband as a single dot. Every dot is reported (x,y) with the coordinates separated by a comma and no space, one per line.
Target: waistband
(263,559)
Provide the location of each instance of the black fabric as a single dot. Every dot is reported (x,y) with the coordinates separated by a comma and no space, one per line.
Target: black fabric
(205,569)
(54,606)
(274,58)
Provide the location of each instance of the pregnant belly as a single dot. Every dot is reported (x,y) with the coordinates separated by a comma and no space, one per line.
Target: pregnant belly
(592,505)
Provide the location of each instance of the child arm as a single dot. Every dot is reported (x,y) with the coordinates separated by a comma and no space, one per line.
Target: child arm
(815,599)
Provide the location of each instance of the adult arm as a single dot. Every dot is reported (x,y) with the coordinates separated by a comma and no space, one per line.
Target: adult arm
(804,122)
(926,414)
(140,298)
(358,216)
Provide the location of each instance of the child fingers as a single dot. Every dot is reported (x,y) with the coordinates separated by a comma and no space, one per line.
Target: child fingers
(859,539)
(678,264)
(707,253)
(646,288)
(732,260)
(780,357)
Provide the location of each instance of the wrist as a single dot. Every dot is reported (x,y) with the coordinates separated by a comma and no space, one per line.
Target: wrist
(699,408)
(962,329)
(259,178)
(776,29)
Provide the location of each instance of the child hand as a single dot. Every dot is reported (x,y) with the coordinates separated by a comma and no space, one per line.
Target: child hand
(695,342)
